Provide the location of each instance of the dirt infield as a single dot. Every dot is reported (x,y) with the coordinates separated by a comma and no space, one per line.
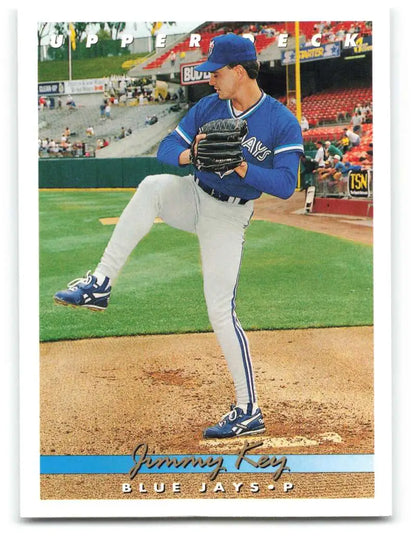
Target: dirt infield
(288,212)
(104,396)
(101,396)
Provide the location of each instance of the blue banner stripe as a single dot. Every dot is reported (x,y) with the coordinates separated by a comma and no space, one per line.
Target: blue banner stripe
(122,464)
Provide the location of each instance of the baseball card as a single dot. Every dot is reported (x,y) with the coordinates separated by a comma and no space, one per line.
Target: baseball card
(208,332)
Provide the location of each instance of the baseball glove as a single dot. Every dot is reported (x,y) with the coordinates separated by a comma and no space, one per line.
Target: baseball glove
(221,149)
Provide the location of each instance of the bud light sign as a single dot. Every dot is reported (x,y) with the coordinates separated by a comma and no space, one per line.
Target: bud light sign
(189,76)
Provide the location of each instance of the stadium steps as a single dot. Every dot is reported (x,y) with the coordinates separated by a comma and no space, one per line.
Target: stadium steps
(143,141)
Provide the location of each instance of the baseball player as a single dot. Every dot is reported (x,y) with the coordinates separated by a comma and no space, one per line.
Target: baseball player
(215,205)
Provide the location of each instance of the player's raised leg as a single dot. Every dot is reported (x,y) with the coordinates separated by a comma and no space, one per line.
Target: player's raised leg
(173,198)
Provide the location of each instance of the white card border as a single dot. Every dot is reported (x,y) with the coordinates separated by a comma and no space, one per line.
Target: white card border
(31,505)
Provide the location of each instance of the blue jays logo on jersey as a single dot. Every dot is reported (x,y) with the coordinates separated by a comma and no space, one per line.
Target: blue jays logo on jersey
(256,148)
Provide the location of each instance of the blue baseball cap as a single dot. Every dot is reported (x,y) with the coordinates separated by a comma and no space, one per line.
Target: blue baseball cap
(225,49)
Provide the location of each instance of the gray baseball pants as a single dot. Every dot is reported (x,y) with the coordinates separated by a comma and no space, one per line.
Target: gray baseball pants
(220,227)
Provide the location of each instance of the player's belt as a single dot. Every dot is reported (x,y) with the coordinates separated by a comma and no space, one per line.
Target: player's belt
(219,196)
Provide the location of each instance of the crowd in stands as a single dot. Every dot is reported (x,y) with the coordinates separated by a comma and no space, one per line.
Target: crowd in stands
(338,148)
(265,34)
(95,131)
(334,31)
(62,148)
(341,117)
(330,30)
(50,102)
(65,146)
(349,150)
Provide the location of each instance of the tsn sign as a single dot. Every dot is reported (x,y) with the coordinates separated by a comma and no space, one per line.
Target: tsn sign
(189,76)
(359,183)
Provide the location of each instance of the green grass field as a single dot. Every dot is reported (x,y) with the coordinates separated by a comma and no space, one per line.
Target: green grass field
(290,278)
(99,67)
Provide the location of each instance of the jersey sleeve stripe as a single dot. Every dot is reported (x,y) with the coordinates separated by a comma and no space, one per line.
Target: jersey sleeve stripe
(183,134)
(291,147)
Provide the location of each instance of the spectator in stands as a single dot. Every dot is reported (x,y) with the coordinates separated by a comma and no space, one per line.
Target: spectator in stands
(344,144)
(357,121)
(330,150)
(90,131)
(307,166)
(268,31)
(368,113)
(340,174)
(353,137)
(42,103)
(53,147)
(108,111)
(323,171)
(102,109)
(102,143)
(122,133)
(320,156)
(172,58)
(341,116)
(339,166)
(358,109)
(44,145)
(352,167)
(337,176)
(151,120)
(70,102)
(340,35)
(304,125)
(64,141)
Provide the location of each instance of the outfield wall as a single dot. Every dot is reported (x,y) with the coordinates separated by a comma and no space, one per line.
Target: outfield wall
(95,173)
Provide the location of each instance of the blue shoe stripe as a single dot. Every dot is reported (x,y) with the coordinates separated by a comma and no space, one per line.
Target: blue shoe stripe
(240,424)
(90,295)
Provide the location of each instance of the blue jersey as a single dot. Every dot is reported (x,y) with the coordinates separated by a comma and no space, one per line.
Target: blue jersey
(341,167)
(271,148)
(353,167)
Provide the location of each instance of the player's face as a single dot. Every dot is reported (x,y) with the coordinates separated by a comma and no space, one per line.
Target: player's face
(225,82)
